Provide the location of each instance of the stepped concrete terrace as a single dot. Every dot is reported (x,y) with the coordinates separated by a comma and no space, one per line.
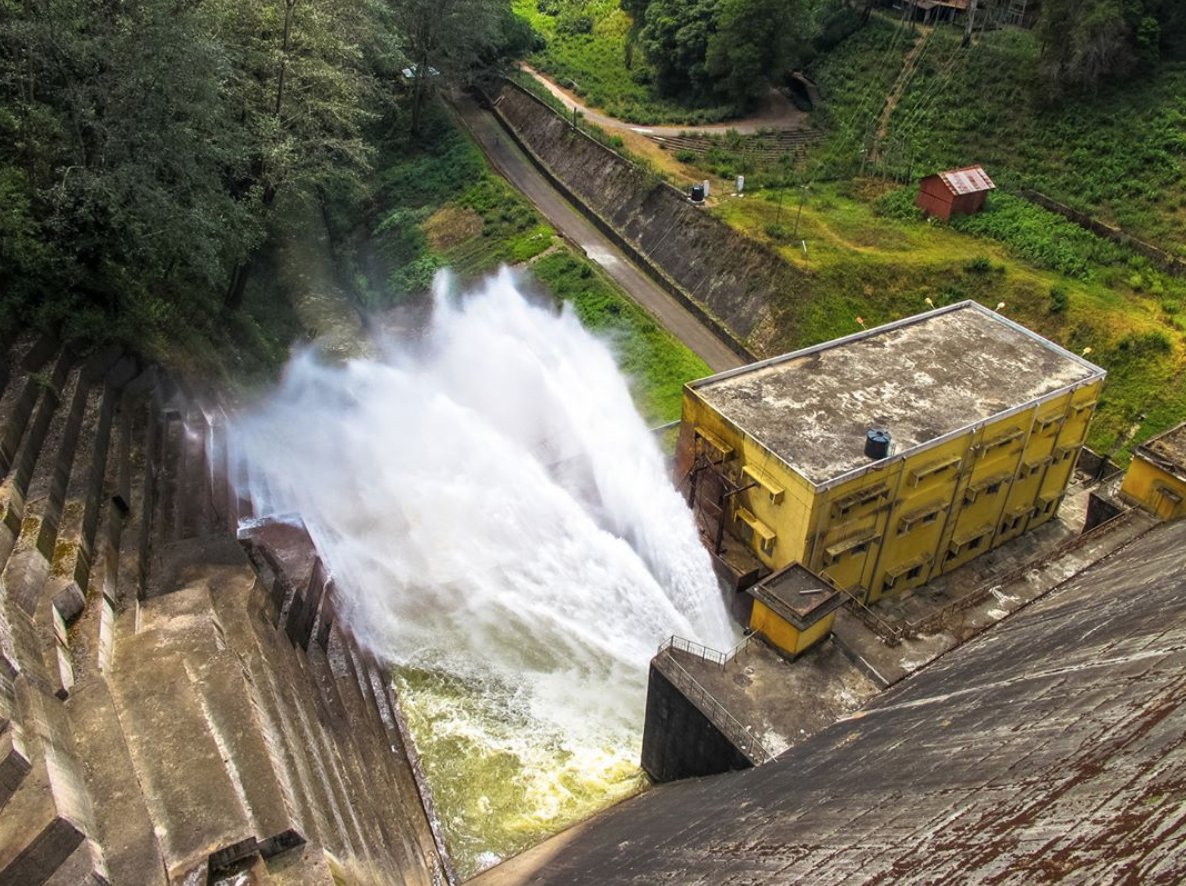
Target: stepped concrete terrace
(167,713)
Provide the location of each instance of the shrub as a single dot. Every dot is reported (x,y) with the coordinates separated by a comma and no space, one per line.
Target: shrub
(979,265)
(1058,300)
(686,156)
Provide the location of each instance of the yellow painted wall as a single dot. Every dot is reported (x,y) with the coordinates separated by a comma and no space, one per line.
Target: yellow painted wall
(899,525)
(1154,489)
(785,635)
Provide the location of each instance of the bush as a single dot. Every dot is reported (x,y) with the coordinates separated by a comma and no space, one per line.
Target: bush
(1045,238)
(899,203)
(1058,300)
(979,265)
(685,156)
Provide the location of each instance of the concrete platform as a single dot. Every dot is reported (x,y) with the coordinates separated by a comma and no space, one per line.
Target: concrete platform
(781,702)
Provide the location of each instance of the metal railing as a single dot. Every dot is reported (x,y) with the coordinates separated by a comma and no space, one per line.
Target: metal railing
(739,736)
(707,653)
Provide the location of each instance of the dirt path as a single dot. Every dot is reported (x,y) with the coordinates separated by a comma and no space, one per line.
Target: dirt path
(568,221)
(909,66)
(776,112)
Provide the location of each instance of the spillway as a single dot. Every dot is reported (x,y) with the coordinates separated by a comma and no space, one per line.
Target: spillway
(500,523)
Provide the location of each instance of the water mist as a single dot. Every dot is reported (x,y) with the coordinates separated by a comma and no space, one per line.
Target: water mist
(500,524)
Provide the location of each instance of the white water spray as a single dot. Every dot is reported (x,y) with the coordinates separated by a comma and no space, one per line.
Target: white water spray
(492,508)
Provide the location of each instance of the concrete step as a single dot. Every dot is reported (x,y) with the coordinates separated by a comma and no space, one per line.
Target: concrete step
(196,515)
(139,485)
(324,805)
(50,814)
(14,761)
(21,390)
(123,825)
(190,794)
(387,778)
(30,435)
(92,636)
(84,867)
(90,485)
(169,470)
(46,490)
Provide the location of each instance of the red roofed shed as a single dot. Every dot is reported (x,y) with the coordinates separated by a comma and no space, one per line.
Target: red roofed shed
(956,192)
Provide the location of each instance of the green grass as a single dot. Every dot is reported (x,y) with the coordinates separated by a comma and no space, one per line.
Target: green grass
(1119,155)
(870,257)
(657,364)
(593,63)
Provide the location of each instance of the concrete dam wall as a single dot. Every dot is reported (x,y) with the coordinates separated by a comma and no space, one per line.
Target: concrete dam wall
(724,276)
(169,714)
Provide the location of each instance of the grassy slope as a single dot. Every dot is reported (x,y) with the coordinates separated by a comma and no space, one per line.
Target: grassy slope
(596,63)
(436,204)
(1120,155)
(881,267)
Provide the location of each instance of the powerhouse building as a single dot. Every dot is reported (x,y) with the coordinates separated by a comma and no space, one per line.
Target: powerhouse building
(884,459)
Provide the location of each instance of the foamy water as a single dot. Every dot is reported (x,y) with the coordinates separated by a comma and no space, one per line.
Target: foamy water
(500,524)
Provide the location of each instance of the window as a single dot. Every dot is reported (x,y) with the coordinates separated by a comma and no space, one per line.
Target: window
(933,470)
(1064,453)
(772,489)
(1005,439)
(713,446)
(914,572)
(856,545)
(1049,423)
(888,582)
(922,516)
(768,546)
(975,543)
(992,488)
(872,495)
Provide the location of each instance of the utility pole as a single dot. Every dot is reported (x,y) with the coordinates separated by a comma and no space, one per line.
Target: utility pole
(799,214)
(971,23)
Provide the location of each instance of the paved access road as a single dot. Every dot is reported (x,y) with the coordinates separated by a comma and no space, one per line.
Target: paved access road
(565,218)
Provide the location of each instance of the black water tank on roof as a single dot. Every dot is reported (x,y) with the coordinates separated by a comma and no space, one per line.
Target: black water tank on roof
(697,193)
(877,444)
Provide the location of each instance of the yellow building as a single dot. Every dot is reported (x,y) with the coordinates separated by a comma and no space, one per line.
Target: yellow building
(984,421)
(1156,479)
(793,609)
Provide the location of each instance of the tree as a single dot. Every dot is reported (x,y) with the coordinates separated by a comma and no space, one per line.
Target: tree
(446,41)
(1086,41)
(675,38)
(755,43)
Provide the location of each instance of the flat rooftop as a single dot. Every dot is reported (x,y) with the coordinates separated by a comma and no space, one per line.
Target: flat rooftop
(1167,450)
(796,595)
(922,379)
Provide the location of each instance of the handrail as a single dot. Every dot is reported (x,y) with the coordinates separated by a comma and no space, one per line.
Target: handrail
(730,726)
(982,591)
(707,653)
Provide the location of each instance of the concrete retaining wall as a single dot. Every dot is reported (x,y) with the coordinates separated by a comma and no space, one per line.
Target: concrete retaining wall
(1169,263)
(678,740)
(720,274)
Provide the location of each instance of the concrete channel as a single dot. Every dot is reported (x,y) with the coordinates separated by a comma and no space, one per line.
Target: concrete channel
(510,162)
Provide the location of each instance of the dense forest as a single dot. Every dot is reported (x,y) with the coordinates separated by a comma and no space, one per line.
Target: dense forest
(144,144)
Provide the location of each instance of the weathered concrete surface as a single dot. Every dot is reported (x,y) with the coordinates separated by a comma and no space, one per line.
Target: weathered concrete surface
(921,378)
(165,721)
(679,739)
(779,702)
(731,278)
(1051,748)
